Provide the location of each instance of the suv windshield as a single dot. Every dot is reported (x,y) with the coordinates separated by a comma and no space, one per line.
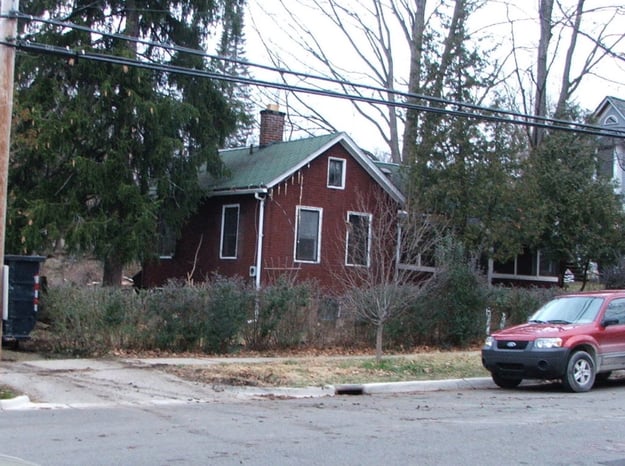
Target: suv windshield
(569,310)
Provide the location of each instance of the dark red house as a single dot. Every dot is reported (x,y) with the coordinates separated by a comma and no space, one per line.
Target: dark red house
(285,207)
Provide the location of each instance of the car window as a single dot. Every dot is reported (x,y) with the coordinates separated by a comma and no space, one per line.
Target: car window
(616,310)
(569,310)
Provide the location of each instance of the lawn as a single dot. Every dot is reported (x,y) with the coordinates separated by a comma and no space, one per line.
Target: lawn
(334,370)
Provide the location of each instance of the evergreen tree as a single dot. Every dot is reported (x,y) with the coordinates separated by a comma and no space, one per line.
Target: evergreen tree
(466,169)
(583,216)
(105,156)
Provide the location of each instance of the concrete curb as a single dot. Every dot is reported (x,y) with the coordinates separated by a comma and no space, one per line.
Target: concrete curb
(14,403)
(414,386)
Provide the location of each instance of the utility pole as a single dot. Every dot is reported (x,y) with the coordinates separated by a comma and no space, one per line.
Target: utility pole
(8,33)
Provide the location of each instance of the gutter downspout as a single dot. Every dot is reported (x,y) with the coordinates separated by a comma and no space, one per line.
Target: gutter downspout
(259,240)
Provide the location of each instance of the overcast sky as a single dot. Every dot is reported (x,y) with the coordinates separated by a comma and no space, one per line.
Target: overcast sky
(274,25)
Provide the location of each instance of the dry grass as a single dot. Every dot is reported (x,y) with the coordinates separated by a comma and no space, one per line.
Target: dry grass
(320,371)
(303,367)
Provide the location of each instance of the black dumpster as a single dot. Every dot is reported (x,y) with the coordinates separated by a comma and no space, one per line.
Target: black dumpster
(21,296)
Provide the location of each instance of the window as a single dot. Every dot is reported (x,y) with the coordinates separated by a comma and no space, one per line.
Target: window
(166,240)
(535,264)
(616,310)
(571,309)
(358,238)
(336,173)
(530,263)
(307,234)
(229,231)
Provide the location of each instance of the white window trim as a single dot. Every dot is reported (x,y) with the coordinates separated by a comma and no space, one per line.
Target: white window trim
(344,165)
(221,239)
(318,252)
(610,120)
(369,218)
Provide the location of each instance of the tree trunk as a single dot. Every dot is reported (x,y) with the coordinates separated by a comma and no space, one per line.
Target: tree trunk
(567,86)
(540,98)
(454,38)
(585,274)
(132,25)
(378,341)
(411,127)
(113,269)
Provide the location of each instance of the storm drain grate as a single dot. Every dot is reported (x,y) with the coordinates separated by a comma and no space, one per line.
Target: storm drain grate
(349,389)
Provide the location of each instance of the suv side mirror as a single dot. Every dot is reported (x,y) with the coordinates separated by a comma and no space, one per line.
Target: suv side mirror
(608,322)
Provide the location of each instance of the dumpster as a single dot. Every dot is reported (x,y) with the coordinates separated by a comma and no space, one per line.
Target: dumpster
(20,296)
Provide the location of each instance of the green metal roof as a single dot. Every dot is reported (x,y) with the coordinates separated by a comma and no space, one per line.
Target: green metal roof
(255,169)
(250,168)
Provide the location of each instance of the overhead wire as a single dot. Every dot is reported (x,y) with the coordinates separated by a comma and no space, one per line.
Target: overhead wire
(461,109)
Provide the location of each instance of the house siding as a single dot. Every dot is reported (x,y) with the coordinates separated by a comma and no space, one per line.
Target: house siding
(307,187)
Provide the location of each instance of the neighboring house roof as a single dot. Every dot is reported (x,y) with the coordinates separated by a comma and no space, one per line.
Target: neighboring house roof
(258,169)
(394,172)
(616,109)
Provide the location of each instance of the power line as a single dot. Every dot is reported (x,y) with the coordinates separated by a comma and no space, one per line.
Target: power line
(477,112)
(527,120)
(548,124)
(284,71)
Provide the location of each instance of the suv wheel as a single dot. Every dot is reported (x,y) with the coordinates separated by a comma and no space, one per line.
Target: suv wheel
(506,382)
(580,372)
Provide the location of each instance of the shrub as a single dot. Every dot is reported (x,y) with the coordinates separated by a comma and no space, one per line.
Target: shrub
(204,316)
(451,312)
(178,317)
(222,312)
(230,303)
(458,296)
(174,316)
(281,314)
(513,305)
(415,327)
(90,320)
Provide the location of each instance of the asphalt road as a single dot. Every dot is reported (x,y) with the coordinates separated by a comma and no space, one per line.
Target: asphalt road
(123,412)
(532,425)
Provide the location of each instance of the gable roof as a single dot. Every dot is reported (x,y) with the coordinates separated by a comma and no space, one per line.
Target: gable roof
(256,170)
(611,103)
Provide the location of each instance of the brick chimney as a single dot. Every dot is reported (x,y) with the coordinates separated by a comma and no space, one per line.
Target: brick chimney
(271,125)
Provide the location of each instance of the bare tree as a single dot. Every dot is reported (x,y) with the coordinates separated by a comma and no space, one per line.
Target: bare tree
(388,256)
(604,45)
(364,30)
(397,51)
(374,38)
(574,42)
(388,43)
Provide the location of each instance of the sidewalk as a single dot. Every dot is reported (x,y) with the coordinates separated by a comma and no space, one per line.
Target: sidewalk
(76,383)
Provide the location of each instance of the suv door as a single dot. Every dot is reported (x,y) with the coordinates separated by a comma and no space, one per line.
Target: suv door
(611,338)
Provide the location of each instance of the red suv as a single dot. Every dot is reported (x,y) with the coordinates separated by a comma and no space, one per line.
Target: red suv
(577,337)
